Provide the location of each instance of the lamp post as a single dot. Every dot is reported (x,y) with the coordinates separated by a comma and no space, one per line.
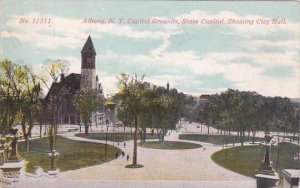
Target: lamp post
(266,163)
(266,176)
(53,156)
(106,136)
(53,170)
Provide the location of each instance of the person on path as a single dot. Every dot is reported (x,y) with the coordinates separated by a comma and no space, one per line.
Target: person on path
(127,157)
(124,144)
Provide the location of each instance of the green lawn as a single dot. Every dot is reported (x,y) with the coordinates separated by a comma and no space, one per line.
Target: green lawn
(114,137)
(170,145)
(73,154)
(245,160)
(215,139)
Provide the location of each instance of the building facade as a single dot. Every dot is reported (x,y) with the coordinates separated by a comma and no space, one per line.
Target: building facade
(58,104)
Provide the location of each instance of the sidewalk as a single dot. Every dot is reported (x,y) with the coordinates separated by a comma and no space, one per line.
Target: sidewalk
(138,184)
(192,164)
(162,168)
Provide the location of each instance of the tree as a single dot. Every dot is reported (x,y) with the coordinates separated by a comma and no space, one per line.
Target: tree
(110,107)
(49,73)
(246,111)
(163,109)
(52,70)
(211,112)
(295,120)
(164,104)
(124,117)
(86,102)
(131,91)
(30,103)
(282,119)
(9,95)
(22,97)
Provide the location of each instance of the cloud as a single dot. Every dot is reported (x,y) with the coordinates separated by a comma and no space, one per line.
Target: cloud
(108,81)
(69,32)
(186,68)
(257,25)
(183,69)
(282,44)
(74,63)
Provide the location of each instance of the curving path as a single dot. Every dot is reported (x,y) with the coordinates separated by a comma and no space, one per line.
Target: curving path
(186,168)
(192,164)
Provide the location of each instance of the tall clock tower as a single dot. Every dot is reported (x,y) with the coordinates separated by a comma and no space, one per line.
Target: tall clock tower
(88,71)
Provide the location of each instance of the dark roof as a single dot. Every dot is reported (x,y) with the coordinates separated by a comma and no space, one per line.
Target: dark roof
(88,46)
(70,82)
(205,96)
(73,77)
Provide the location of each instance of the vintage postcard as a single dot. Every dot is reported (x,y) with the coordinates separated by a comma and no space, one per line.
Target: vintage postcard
(173,94)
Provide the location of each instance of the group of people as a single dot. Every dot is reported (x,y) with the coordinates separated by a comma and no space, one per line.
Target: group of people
(123,154)
(123,144)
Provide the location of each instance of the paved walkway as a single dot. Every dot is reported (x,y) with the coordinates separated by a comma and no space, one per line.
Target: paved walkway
(166,168)
(192,164)
(60,183)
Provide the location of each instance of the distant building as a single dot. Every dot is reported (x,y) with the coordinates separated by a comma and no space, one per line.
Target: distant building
(203,100)
(61,94)
(198,111)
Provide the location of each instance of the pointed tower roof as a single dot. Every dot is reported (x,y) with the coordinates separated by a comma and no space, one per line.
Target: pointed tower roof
(88,46)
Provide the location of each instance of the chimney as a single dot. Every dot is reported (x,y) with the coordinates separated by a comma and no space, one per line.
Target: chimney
(100,88)
(62,77)
(96,81)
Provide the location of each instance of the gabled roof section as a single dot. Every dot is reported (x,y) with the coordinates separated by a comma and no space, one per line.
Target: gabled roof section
(73,76)
(88,46)
(71,82)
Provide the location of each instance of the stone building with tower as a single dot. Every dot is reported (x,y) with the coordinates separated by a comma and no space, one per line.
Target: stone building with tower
(61,94)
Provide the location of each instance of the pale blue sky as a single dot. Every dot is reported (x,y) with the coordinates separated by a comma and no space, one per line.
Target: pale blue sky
(195,59)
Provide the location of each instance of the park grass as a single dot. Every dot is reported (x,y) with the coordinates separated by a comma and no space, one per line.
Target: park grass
(114,137)
(73,154)
(216,139)
(170,145)
(246,160)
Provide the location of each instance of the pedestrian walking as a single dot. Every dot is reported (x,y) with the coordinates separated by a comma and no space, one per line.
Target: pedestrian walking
(124,144)
(117,155)
(127,157)
(123,154)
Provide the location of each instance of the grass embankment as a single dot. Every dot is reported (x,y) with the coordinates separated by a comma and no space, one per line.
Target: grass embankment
(170,145)
(245,160)
(114,137)
(73,154)
(216,139)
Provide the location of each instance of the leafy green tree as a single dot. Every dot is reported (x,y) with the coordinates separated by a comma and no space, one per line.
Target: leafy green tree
(30,104)
(211,112)
(23,93)
(131,93)
(124,117)
(294,128)
(10,92)
(166,107)
(245,111)
(86,102)
(49,73)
